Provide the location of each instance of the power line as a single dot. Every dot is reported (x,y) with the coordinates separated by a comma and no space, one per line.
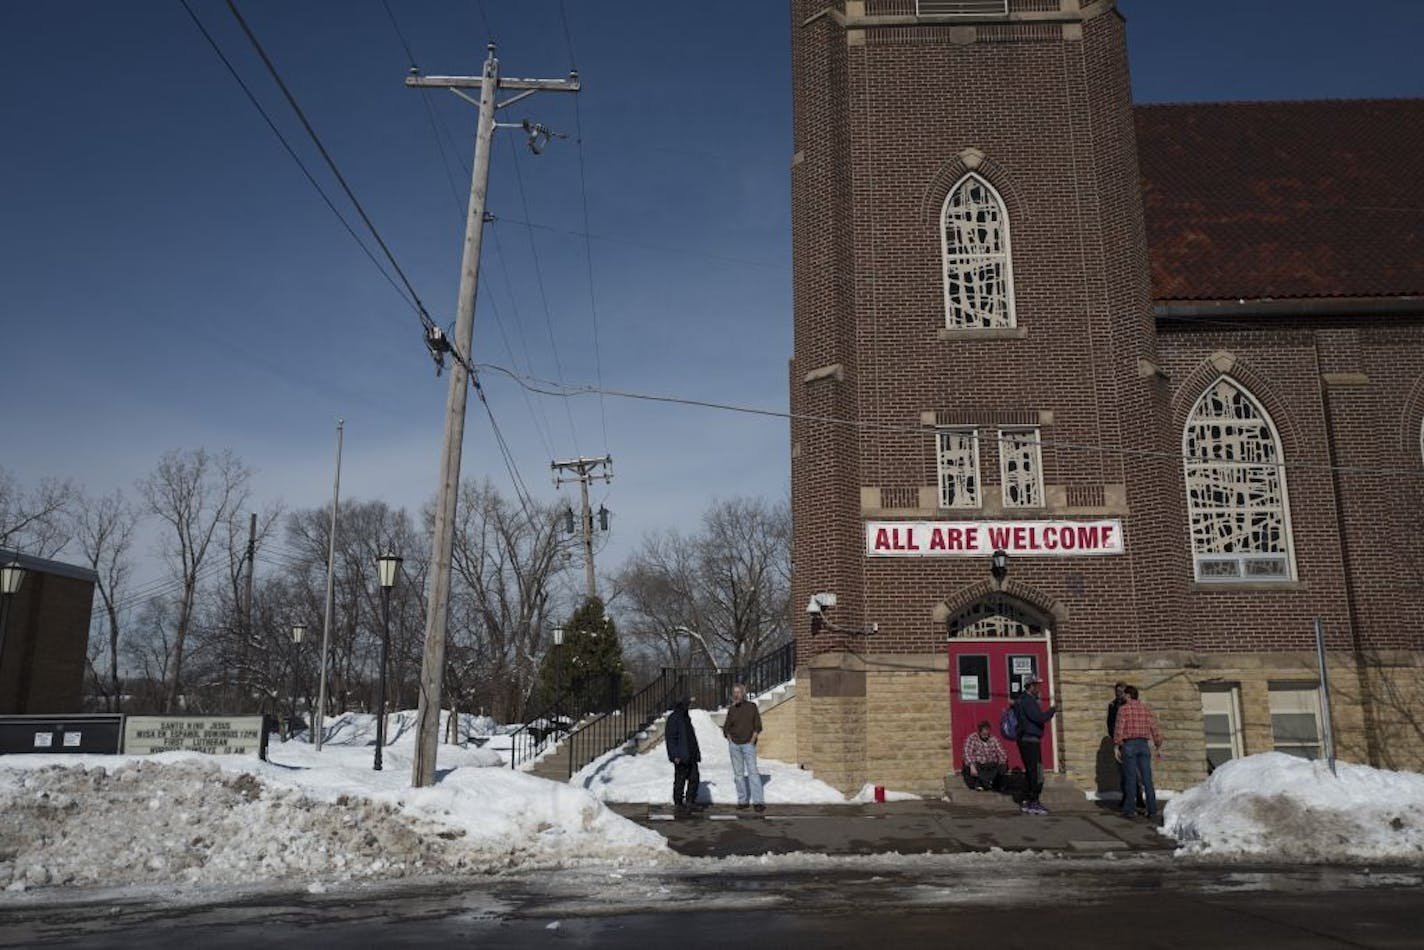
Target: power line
(543,386)
(543,294)
(311,179)
(587,245)
(426,320)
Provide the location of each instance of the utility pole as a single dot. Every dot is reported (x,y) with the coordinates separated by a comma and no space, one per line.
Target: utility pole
(247,641)
(437,612)
(319,714)
(586,470)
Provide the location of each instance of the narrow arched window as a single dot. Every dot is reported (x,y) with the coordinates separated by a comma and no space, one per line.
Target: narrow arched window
(978,274)
(1236,489)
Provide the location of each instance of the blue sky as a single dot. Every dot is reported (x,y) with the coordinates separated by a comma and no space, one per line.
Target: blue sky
(172,281)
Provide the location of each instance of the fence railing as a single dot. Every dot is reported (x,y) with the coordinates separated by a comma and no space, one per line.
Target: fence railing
(539,734)
(709,688)
(617,727)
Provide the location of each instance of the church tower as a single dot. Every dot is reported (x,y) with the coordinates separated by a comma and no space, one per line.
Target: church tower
(975,369)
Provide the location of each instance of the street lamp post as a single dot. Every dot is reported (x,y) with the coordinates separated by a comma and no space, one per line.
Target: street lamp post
(388,566)
(558,674)
(299,633)
(12,575)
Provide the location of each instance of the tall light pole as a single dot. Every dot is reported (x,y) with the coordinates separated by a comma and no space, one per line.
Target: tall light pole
(558,672)
(432,667)
(388,566)
(330,602)
(12,575)
(299,633)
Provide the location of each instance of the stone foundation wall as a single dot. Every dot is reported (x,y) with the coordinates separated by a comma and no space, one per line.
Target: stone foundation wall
(885,719)
(778,735)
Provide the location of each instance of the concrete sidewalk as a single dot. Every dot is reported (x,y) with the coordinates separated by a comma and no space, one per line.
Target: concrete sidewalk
(915,827)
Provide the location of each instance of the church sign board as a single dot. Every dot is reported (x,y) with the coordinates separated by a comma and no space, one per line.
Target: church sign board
(982,538)
(215,735)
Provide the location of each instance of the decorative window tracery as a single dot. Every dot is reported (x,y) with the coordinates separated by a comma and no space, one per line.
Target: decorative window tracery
(996,617)
(1236,489)
(978,274)
(959,468)
(1021,468)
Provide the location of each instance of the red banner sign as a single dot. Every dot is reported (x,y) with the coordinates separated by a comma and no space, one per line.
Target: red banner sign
(982,538)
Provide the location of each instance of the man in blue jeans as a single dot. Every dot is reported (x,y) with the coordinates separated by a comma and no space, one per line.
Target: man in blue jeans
(1136,736)
(742,728)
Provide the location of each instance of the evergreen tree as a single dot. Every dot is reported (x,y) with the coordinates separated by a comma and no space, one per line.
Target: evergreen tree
(585,674)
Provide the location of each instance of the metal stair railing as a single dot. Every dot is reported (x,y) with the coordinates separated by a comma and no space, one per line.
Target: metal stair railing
(711,688)
(539,734)
(619,726)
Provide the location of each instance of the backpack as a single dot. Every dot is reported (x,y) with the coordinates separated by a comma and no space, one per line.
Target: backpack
(1009,723)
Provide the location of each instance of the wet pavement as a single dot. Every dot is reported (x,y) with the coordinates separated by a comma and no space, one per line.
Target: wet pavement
(917,827)
(889,901)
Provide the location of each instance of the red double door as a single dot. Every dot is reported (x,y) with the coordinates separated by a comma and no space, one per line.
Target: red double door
(985,677)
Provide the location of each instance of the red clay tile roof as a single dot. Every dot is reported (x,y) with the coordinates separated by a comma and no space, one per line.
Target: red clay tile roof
(1284,199)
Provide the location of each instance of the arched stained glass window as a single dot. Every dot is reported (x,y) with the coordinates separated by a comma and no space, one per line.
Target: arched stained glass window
(995,617)
(978,274)
(1236,489)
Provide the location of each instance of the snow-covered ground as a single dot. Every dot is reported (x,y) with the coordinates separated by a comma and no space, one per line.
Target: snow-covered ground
(326,817)
(1278,807)
(623,776)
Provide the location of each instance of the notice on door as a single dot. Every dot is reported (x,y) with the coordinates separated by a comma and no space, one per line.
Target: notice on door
(982,538)
(215,735)
(969,688)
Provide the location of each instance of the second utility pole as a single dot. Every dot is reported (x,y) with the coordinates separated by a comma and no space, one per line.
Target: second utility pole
(584,469)
(432,670)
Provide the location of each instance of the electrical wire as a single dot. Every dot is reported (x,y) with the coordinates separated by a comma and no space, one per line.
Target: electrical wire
(587,244)
(306,172)
(550,388)
(426,320)
(543,293)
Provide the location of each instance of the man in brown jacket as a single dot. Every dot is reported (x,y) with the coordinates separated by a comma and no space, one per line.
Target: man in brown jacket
(742,728)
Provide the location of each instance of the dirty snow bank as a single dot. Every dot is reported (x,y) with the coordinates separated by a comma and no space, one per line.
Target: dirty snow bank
(623,776)
(1282,807)
(194,819)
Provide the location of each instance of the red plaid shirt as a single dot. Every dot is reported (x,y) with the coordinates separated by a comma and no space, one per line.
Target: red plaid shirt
(984,751)
(1136,721)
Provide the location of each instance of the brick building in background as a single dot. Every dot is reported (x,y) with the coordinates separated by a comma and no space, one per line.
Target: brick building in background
(1169,358)
(43,656)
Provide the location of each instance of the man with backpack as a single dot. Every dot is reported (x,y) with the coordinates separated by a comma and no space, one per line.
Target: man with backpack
(682,751)
(1032,719)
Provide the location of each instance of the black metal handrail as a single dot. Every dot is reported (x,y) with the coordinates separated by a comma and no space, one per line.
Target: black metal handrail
(538,734)
(710,688)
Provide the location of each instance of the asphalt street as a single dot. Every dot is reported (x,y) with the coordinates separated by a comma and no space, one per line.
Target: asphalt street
(885,901)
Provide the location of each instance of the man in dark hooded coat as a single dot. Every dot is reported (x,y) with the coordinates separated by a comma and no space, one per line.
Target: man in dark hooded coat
(683,753)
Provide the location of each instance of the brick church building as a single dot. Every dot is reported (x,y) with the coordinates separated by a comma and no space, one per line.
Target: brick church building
(1168,359)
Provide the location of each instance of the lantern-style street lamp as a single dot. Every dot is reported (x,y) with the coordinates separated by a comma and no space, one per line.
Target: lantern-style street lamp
(388,569)
(12,575)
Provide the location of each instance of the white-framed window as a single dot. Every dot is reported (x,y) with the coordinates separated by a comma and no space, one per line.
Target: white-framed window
(958,468)
(1221,721)
(1021,467)
(978,271)
(1236,489)
(1295,719)
(962,7)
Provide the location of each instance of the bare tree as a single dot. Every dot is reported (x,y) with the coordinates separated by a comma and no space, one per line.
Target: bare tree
(510,565)
(104,531)
(194,493)
(724,589)
(34,521)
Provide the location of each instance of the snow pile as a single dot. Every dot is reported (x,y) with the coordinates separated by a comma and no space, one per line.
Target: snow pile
(623,776)
(1282,807)
(203,820)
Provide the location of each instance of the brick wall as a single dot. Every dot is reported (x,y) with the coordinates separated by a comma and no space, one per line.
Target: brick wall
(886,121)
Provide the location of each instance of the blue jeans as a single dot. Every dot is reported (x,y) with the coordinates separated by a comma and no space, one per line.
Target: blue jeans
(1137,767)
(744,771)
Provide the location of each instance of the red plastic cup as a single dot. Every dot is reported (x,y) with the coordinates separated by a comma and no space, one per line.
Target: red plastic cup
(880,793)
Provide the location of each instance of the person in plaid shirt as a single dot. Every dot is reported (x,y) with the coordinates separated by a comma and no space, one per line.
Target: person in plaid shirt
(1136,735)
(985,761)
